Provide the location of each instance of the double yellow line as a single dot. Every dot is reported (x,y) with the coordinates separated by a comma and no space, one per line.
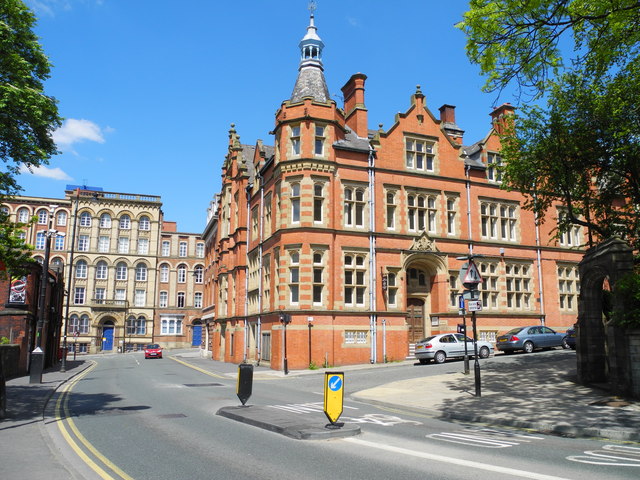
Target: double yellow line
(71,434)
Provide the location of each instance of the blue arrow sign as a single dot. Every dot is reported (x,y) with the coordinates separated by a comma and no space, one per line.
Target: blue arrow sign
(335,383)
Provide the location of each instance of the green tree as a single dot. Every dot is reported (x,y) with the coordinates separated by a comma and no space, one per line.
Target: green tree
(523,41)
(27,116)
(583,148)
(583,151)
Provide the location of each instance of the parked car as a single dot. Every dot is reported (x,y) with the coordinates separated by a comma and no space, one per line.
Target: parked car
(448,345)
(153,351)
(529,338)
(570,339)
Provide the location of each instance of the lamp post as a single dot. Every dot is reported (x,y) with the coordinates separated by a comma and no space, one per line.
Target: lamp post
(37,356)
(63,365)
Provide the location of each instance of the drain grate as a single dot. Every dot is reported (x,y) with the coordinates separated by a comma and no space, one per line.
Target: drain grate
(203,385)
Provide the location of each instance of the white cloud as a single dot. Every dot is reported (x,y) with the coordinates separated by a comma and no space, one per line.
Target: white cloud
(49,7)
(44,172)
(75,131)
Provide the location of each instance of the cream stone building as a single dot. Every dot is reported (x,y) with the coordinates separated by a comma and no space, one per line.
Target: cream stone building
(119,287)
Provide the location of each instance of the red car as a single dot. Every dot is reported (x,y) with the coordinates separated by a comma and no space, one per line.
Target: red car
(153,351)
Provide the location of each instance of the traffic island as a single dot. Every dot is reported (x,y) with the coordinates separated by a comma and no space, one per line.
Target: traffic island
(287,424)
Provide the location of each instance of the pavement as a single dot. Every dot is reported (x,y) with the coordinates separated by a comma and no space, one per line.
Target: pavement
(538,393)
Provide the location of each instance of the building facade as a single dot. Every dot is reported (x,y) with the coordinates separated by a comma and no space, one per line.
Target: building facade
(131,283)
(339,244)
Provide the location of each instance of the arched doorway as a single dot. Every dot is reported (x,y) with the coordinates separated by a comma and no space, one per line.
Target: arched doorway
(107,335)
(196,334)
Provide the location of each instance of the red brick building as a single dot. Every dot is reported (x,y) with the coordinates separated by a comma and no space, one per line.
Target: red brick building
(354,234)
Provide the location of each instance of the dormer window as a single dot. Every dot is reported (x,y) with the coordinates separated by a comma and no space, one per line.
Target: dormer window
(494,162)
(419,155)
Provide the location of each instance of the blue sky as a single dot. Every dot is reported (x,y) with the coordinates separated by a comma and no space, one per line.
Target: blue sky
(149,88)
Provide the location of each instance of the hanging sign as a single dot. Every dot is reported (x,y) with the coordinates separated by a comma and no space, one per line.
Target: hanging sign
(18,292)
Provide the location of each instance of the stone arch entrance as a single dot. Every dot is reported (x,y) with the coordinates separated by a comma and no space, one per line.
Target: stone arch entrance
(420,271)
(602,352)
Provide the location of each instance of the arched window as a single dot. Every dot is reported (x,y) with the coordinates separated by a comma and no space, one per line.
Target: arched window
(136,326)
(199,274)
(61,218)
(23,215)
(101,270)
(57,262)
(43,216)
(40,240)
(105,220)
(81,269)
(182,273)
(85,219)
(74,323)
(121,271)
(144,223)
(84,324)
(164,272)
(141,272)
(125,222)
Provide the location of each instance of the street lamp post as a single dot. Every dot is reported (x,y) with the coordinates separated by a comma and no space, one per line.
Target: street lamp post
(63,365)
(37,356)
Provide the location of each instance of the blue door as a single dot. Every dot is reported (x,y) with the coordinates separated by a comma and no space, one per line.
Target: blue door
(197,336)
(107,337)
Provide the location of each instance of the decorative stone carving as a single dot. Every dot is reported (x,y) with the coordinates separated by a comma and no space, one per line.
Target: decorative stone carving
(424,243)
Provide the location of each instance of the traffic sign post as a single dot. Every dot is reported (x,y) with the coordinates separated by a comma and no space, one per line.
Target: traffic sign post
(245,382)
(470,278)
(333,397)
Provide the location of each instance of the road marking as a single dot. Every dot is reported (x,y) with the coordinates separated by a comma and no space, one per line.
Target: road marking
(380,419)
(373,418)
(484,437)
(201,370)
(613,455)
(455,461)
(62,405)
(303,408)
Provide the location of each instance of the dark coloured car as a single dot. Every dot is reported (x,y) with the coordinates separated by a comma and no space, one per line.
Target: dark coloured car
(529,338)
(153,351)
(570,339)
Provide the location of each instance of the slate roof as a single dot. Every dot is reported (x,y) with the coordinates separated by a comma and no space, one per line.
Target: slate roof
(353,142)
(310,83)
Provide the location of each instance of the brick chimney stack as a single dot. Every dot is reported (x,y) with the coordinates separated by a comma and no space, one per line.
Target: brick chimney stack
(448,114)
(499,116)
(354,109)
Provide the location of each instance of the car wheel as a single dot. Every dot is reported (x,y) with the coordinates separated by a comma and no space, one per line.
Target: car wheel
(423,361)
(440,357)
(528,347)
(484,352)
(565,345)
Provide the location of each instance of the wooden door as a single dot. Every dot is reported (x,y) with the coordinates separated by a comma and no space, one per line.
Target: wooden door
(415,319)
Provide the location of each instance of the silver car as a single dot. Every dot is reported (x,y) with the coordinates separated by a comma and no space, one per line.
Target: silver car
(448,345)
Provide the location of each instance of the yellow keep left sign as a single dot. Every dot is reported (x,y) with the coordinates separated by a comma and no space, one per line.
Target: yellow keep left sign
(333,395)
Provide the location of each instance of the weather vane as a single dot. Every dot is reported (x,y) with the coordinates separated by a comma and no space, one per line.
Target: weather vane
(312,6)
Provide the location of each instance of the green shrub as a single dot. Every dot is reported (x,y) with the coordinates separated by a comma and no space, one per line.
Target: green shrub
(628,288)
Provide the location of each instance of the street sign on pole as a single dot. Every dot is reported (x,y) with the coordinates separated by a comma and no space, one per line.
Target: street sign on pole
(469,275)
(474,305)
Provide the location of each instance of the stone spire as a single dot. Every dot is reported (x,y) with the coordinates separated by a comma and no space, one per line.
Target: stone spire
(310,82)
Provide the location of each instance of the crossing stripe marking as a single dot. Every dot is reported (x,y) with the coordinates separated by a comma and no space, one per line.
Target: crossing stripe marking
(455,461)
